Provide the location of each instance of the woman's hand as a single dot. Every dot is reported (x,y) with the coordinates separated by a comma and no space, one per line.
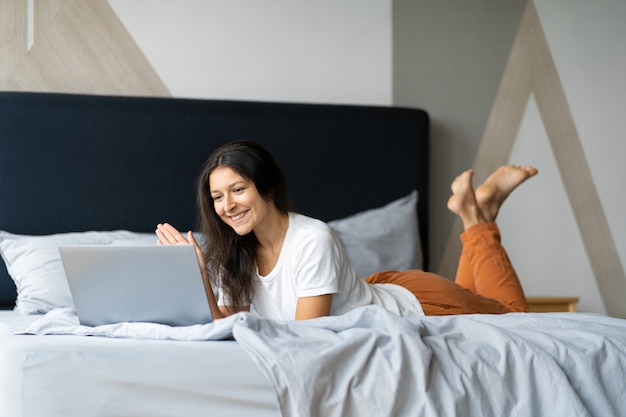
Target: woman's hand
(169,235)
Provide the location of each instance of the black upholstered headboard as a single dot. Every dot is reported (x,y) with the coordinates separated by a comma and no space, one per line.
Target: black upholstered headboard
(78,162)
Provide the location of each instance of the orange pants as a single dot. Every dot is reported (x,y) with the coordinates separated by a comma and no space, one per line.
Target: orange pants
(485,282)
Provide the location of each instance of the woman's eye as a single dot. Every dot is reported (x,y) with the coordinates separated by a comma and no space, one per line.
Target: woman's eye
(217,197)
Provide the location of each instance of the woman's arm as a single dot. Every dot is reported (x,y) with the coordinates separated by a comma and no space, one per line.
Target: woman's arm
(312,307)
(229,310)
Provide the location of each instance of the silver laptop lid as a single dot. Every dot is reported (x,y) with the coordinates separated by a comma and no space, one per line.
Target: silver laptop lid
(152,283)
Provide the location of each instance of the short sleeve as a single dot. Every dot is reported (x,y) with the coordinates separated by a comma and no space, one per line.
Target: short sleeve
(320,263)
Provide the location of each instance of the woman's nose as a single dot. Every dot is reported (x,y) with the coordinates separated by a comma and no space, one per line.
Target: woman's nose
(229,204)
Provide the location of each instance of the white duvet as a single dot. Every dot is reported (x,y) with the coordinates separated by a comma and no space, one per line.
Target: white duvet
(373,363)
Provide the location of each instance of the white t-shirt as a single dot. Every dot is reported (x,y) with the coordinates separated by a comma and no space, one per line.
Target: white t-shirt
(314,262)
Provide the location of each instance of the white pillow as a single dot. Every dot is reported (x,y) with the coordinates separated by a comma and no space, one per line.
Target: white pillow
(35,265)
(382,238)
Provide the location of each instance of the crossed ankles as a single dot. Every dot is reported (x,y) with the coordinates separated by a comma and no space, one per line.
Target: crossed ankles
(483,205)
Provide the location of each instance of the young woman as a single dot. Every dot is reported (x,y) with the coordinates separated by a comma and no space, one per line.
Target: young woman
(289,266)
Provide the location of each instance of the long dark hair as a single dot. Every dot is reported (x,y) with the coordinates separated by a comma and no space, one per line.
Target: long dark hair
(231,258)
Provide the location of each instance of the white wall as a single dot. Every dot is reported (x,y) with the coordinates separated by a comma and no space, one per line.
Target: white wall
(323,51)
(449,58)
(588,43)
(546,248)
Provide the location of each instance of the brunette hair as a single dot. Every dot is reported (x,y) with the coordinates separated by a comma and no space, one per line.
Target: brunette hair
(231,258)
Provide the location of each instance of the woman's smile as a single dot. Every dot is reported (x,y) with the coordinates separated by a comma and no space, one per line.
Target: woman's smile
(237,217)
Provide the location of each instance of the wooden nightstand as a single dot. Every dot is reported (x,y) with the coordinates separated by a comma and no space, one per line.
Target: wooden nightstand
(551,304)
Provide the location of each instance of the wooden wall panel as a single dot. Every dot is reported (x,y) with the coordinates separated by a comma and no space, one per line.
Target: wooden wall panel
(44,12)
(13,35)
(82,47)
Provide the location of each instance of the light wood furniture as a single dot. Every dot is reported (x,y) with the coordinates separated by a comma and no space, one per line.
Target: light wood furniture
(551,304)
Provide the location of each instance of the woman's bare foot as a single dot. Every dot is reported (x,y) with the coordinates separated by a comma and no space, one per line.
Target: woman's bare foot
(491,194)
(463,201)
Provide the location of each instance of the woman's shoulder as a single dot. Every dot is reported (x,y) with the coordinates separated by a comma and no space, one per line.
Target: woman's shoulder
(308,236)
(305,225)
(306,221)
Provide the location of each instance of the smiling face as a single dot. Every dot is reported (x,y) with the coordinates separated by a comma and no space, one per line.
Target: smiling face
(237,200)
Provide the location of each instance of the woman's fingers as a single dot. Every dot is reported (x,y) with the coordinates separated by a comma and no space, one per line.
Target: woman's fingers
(169,235)
(191,239)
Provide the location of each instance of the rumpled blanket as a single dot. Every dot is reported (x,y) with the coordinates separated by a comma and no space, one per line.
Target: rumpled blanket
(370,362)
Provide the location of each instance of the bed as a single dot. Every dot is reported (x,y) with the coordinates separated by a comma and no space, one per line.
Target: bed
(80,169)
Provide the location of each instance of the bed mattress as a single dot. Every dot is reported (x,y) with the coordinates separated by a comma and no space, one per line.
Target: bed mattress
(45,375)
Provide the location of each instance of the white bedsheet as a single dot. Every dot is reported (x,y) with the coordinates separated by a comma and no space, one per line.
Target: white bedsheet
(42,376)
(371,362)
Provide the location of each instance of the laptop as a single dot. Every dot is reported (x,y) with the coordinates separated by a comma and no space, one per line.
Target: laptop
(138,283)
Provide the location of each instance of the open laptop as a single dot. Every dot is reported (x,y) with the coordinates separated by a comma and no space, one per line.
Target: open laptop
(138,283)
